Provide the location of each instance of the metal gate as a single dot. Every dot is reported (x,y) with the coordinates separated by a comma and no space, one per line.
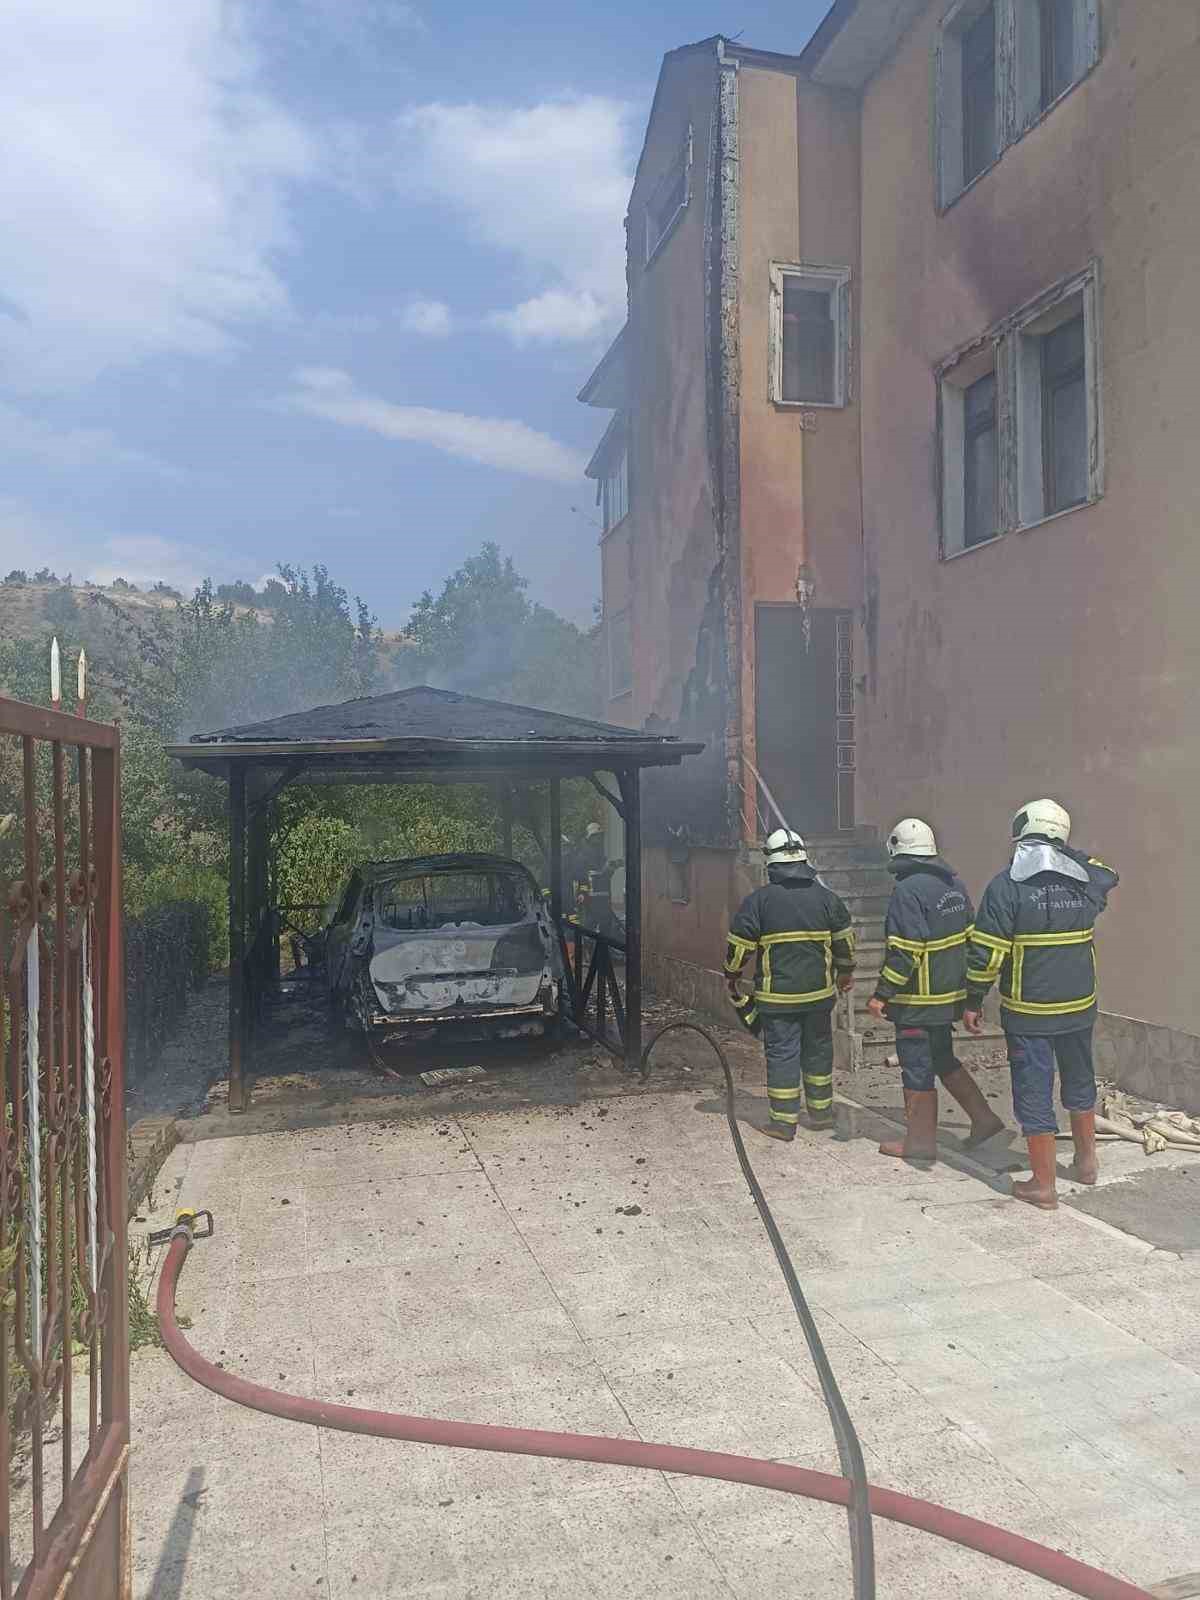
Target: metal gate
(64,1317)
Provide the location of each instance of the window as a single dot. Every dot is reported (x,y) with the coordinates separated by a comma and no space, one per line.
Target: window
(968,96)
(979,95)
(679,877)
(1056,43)
(810,319)
(1020,419)
(981,462)
(1001,65)
(970,413)
(620,655)
(1058,404)
(669,200)
(614,491)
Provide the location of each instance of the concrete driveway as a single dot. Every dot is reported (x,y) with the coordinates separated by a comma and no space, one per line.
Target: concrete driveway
(601,1268)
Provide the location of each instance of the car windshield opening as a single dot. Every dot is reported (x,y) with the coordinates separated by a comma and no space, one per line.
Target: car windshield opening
(451,899)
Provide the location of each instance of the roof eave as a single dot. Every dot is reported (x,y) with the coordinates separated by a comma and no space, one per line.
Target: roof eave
(855,39)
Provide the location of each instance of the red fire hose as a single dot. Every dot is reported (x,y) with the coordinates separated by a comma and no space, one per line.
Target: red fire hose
(1068,1574)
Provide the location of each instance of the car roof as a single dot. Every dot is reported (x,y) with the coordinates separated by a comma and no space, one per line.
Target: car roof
(381,871)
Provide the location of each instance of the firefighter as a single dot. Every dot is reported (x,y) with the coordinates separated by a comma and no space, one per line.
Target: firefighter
(922,989)
(802,939)
(1035,931)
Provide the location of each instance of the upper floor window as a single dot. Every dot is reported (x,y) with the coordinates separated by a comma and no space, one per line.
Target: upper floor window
(809,331)
(1001,64)
(614,490)
(620,654)
(669,200)
(1020,421)
(978,92)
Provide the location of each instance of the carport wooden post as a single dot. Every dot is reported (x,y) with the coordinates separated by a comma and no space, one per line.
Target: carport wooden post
(237,936)
(555,850)
(630,781)
(506,819)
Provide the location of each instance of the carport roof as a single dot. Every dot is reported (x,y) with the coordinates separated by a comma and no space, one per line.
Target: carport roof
(429,732)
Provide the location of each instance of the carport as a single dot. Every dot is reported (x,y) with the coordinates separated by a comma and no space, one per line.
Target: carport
(425,735)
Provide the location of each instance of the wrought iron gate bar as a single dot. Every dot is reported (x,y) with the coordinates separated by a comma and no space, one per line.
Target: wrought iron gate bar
(63,1228)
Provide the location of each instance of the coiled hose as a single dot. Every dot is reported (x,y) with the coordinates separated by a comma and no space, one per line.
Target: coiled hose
(852,1491)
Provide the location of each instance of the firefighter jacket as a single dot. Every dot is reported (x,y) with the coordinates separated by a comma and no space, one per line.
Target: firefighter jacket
(1034,931)
(801,936)
(928,924)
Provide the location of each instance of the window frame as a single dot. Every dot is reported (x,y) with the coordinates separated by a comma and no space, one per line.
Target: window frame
(623,614)
(1012,349)
(836,281)
(681,167)
(1020,101)
(618,470)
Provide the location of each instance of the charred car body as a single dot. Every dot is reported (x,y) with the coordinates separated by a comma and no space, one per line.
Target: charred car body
(453,942)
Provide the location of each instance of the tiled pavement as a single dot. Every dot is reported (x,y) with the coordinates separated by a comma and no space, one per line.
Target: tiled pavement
(1040,1371)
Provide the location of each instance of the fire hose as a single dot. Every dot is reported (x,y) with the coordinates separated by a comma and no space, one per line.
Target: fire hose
(862,1500)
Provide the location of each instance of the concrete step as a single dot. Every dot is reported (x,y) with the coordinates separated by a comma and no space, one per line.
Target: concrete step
(878,1044)
(869,930)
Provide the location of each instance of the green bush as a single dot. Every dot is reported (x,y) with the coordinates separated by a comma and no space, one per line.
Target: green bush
(148,890)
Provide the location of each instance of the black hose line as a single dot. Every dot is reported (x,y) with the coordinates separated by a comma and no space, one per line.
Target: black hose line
(862,1538)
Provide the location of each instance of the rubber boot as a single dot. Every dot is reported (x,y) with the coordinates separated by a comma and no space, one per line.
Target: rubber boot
(776,1130)
(1040,1190)
(920,1136)
(1083,1130)
(985,1124)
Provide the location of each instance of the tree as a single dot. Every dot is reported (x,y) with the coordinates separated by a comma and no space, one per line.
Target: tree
(44,575)
(17,578)
(240,593)
(482,635)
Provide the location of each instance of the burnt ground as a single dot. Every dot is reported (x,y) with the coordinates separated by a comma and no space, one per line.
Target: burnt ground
(310,1072)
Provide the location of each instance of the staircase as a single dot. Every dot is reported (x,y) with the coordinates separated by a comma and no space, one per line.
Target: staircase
(854,865)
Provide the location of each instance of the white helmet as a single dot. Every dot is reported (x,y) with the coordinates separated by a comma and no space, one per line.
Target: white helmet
(912,837)
(1046,818)
(783,846)
(592,829)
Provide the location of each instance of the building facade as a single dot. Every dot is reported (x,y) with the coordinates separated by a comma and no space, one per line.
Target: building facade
(966,493)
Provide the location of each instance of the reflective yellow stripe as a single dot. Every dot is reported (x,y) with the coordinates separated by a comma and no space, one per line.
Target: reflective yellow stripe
(1003,945)
(765,999)
(913,946)
(784,1116)
(1016,972)
(827,1078)
(739,949)
(1033,1008)
(974,975)
(796,938)
(845,936)
(784,1094)
(926,999)
(1095,861)
(949,943)
(1079,936)
(893,976)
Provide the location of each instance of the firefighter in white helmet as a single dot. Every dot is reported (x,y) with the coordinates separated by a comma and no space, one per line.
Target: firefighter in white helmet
(1034,932)
(922,989)
(802,941)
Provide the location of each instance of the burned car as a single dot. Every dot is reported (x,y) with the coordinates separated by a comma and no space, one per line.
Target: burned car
(440,943)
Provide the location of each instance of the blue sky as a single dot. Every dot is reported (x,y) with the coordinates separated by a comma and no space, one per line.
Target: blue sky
(318,280)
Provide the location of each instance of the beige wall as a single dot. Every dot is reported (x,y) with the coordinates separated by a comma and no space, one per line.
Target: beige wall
(1066,659)
(671,525)
(800,488)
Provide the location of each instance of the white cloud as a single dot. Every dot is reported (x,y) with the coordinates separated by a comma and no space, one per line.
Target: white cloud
(557,314)
(71,448)
(144,183)
(491,441)
(430,318)
(545,184)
